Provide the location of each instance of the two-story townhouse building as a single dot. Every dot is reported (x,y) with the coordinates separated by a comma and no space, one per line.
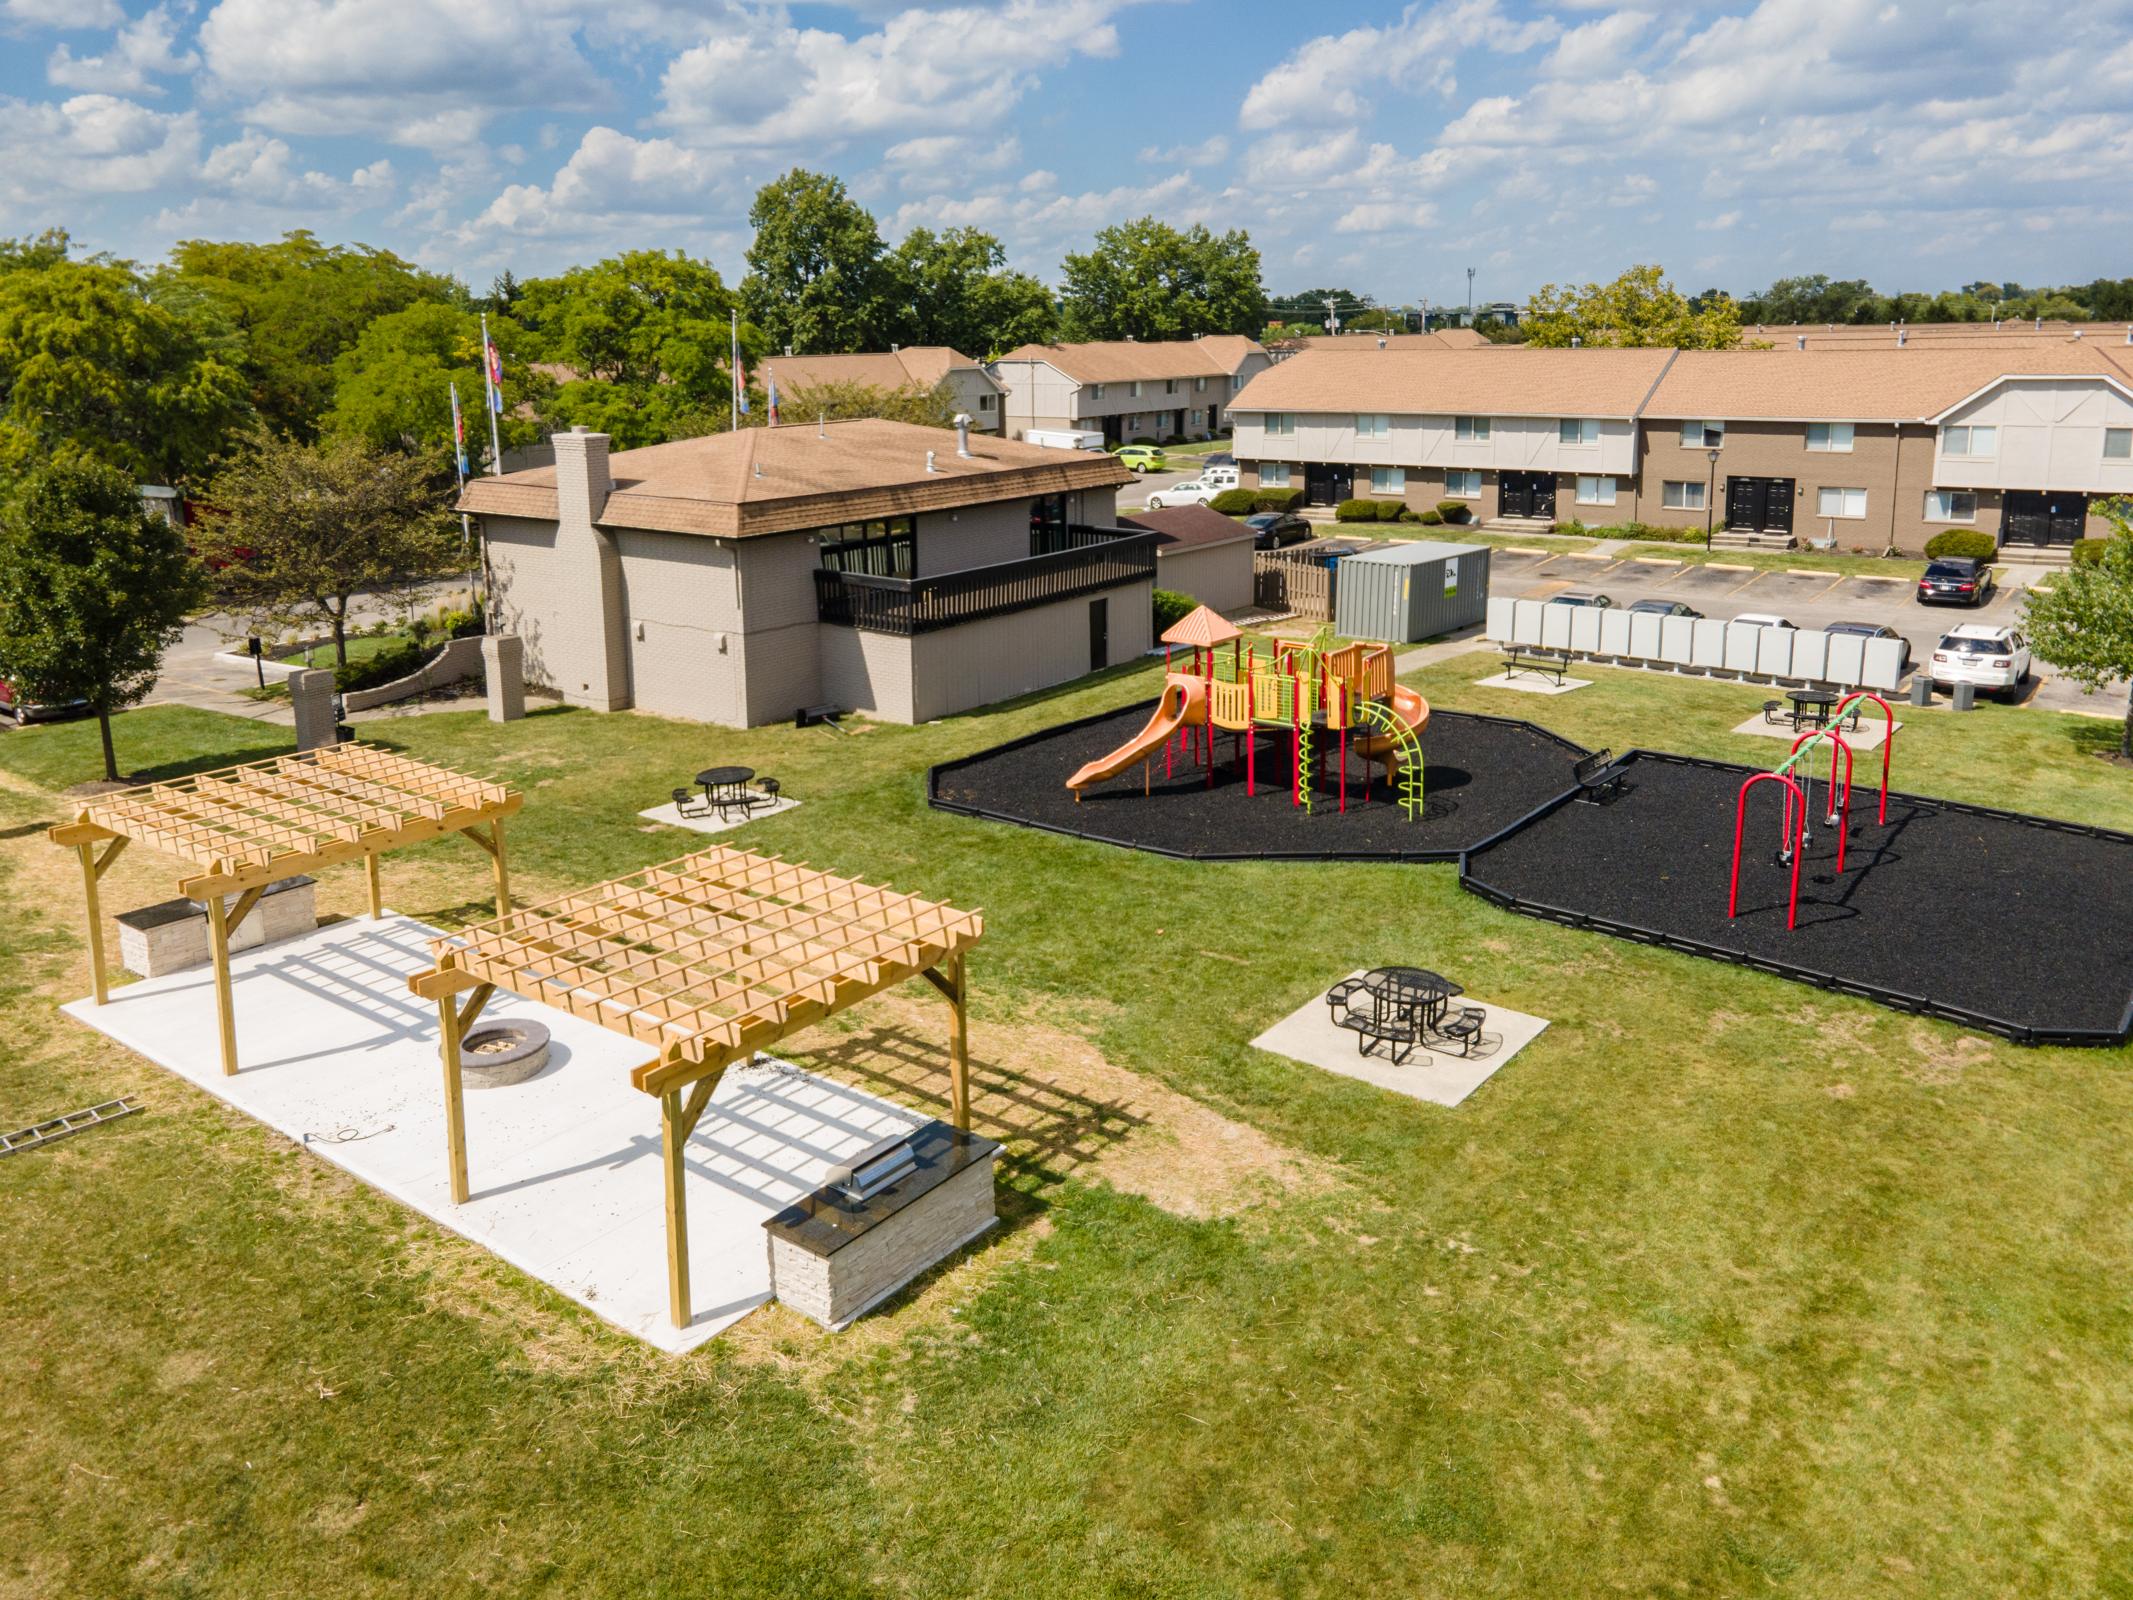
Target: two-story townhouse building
(1532,435)
(875,566)
(1127,389)
(1885,447)
(900,369)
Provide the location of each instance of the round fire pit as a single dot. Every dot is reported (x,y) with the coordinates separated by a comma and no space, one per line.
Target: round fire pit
(494,1054)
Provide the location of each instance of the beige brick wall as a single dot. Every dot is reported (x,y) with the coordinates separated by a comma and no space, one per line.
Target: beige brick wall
(868,672)
(1219,576)
(972,536)
(679,594)
(1022,652)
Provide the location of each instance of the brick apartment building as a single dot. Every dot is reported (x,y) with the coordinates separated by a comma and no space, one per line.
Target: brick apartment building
(1127,389)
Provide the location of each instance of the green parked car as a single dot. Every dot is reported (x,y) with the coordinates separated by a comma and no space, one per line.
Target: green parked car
(1143,457)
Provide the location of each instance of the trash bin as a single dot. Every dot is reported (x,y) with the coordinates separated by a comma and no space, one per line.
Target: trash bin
(1966,697)
(1921,689)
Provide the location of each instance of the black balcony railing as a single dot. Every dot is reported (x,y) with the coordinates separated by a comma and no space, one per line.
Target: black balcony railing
(1083,561)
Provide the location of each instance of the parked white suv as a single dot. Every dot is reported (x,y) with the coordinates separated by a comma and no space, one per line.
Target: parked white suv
(1979,653)
(1192,492)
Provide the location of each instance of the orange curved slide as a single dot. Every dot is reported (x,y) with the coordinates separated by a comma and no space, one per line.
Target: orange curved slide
(1184,705)
(1411,709)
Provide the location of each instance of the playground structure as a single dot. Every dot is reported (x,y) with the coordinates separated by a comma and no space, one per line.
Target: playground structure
(1795,828)
(1327,700)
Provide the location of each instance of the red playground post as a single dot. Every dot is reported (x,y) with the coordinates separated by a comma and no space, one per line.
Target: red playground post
(1795,830)
(1888,742)
(1840,814)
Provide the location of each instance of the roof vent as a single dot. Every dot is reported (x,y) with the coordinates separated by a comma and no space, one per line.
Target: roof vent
(1381,341)
(962,434)
(1575,341)
(930,467)
(2040,325)
(1903,337)
(2077,333)
(2129,336)
(822,425)
(893,348)
(788,350)
(1800,343)
(759,469)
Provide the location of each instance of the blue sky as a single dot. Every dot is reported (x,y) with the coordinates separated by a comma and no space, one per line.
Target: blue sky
(1382,148)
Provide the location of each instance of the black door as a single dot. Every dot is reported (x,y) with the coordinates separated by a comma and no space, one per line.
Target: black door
(2043,519)
(1759,505)
(1327,483)
(1525,494)
(1099,634)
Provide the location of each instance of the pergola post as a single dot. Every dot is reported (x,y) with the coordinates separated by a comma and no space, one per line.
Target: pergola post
(959,1043)
(90,871)
(499,867)
(673,1143)
(455,1108)
(218,943)
(370,881)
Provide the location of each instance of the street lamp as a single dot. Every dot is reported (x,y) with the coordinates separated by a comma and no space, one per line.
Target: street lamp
(1710,501)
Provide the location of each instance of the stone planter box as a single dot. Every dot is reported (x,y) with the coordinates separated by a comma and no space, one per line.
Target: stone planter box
(172,935)
(833,1258)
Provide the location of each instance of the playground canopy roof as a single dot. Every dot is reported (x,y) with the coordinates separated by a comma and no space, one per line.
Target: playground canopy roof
(1201,628)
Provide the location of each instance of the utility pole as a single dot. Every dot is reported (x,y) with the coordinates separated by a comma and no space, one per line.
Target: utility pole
(1333,318)
(1469,297)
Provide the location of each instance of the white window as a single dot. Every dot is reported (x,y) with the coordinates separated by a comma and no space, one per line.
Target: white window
(1471,430)
(1950,505)
(1596,491)
(1281,424)
(1170,386)
(985,402)
(1578,430)
(1199,386)
(1388,480)
(1096,391)
(1972,441)
(1835,437)
(1133,390)
(1462,486)
(2117,444)
(1840,503)
(1702,435)
(1133,423)
(1682,496)
(1273,474)
(1373,425)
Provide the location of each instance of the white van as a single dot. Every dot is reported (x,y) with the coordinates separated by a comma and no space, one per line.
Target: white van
(1219,478)
(1064,438)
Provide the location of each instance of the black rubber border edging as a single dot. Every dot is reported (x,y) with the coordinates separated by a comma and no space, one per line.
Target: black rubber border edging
(935,773)
(1895,999)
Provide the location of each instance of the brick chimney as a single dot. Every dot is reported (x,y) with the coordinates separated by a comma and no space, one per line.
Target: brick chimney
(586,656)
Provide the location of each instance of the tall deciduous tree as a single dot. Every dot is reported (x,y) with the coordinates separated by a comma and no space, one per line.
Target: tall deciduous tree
(1640,309)
(90,368)
(815,278)
(1147,280)
(305,528)
(2083,624)
(834,402)
(955,288)
(92,591)
(390,390)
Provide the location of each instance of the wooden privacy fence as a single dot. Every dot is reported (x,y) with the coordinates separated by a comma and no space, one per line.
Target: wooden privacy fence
(1283,580)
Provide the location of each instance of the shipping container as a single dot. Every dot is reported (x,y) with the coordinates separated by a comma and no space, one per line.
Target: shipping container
(1404,592)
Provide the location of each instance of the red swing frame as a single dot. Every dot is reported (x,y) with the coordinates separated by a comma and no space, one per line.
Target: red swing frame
(1798,830)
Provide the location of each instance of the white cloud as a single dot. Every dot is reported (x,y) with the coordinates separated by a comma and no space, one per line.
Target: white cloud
(761,81)
(1595,49)
(610,178)
(1319,83)
(92,144)
(1206,153)
(1390,216)
(946,159)
(144,48)
(1721,222)
(64,14)
(262,170)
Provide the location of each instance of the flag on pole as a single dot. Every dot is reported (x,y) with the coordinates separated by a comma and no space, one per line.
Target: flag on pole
(493,368)
(770,394)
(459,433)
(739,408)
(740,385)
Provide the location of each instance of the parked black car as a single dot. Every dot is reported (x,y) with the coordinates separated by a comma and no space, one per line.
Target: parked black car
(1873,630)
(1273,529)
(1662,608)
(1955,581)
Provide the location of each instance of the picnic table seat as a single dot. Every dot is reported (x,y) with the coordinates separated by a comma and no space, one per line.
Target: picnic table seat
(1461,1028)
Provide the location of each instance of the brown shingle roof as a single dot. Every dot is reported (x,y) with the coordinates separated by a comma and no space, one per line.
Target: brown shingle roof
(1188,525)
(1882,384)
(809,476)
(1442,339)
(1124,360)
(1846,335)
(1506,382)
(919,367)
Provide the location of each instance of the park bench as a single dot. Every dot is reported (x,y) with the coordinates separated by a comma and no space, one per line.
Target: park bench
(1549,663)
(1597,777)
(1462,1028)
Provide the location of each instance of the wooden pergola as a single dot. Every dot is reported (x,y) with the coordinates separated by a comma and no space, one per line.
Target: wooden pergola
(242,828)
(704,960)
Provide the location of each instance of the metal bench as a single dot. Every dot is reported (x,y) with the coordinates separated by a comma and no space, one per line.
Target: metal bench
(1462,1028)
(1548,663)
(1598,778)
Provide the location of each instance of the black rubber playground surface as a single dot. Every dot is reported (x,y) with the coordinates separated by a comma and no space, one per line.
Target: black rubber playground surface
(1483,774)
(2014,924)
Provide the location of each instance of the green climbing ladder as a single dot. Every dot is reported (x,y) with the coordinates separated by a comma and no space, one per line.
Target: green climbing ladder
(1304,771)
(1374,714)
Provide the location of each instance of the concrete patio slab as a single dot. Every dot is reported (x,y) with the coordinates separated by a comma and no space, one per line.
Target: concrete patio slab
(1531,683)
(565,1166)
(1443,1078)
(671,815)
(1871,732)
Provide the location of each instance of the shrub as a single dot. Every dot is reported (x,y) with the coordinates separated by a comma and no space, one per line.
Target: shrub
(1430,518)
(1171,608)
(1233,502)
(383,667)
(2087,552)
(1962,542)
(460,624)
(1144,439)
(1573,526)
(1356,511)
(1453,510)
(1409,516)
(1277,499)
(1391,510)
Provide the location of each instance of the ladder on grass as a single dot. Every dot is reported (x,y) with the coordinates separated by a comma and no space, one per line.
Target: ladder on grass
(38,1135)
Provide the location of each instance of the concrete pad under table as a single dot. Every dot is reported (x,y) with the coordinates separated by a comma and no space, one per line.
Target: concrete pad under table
(337,1055)
(671,815)
(1441,1077)
(1525,682)
(1871,732)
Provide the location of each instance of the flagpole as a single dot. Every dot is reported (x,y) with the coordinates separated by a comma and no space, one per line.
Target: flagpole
(492,381)
(459,469)
(733,372)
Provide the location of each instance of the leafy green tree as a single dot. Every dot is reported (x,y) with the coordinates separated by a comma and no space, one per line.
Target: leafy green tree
(2083,624)
(295,306)
(1816,297)
(1147,280)
(815,278)
(389,390)
(955,288)
(93,590)
(32,251)
(305,528)
(1640,309)
(92,368)
(930,408)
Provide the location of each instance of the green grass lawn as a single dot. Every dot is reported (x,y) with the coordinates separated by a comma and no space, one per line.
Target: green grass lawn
(1723,1287)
